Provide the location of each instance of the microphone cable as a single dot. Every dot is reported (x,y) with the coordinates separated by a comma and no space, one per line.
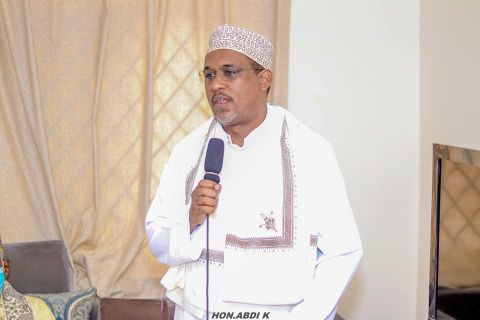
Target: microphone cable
(208,254)
(213,166)
(208,264)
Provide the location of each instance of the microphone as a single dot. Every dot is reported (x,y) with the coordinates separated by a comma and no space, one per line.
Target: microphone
(213,167)
(214,159)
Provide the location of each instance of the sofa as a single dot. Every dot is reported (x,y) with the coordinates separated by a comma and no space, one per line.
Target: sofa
(42,269)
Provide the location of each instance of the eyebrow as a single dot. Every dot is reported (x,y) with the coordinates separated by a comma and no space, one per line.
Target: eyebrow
(223,66)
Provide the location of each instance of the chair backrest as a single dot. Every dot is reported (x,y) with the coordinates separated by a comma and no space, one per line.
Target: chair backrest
(39,267)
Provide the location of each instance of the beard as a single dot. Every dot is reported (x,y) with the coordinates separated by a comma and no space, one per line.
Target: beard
(225,118)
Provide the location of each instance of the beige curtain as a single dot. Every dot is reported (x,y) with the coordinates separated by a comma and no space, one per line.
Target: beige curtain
(93,96)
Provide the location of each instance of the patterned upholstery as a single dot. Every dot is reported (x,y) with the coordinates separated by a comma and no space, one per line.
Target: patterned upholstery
(75,305)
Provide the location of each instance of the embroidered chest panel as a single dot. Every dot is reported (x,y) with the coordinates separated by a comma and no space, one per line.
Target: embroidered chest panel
(285,227)
(277,227)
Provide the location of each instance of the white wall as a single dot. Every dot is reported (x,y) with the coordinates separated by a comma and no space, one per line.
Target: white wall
(450,99)
(354,77)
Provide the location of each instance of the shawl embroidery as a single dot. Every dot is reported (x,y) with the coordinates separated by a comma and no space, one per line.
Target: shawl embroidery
(286,240)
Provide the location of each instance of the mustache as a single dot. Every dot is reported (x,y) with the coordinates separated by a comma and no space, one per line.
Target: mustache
(220,95)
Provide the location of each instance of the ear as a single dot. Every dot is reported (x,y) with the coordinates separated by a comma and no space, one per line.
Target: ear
(265,79)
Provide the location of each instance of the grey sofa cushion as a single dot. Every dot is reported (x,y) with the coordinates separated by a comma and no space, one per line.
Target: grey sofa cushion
(39,267)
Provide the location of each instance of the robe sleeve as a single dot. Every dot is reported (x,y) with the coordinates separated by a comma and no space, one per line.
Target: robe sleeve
(167,224)
(332,276)
(339,247)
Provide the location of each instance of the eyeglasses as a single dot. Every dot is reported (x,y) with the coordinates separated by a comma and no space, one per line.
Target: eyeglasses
(226,75)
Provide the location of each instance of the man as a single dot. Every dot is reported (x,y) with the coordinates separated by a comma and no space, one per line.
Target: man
(14,305)
(283,240)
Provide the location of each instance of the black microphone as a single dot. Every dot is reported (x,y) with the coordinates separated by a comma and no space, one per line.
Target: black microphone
(213,167)
(214,159)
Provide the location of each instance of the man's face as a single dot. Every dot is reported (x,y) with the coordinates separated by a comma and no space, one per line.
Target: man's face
(6,267)
(237,98)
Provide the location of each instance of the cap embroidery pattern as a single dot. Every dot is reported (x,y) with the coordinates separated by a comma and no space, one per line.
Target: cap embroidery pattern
(254,45)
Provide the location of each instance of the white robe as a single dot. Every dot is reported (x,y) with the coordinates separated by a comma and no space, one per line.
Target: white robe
(283,238)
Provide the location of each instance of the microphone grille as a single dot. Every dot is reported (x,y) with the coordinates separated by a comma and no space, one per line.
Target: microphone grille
(214,156)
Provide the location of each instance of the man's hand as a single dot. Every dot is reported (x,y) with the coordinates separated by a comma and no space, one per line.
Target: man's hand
(204,201)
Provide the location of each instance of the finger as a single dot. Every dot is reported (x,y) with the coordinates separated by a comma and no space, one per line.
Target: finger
(205,192)
(206,201)
(208,210)
(207,183)
(202,210)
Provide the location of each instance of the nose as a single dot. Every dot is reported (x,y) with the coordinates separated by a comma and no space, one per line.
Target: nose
(216,84)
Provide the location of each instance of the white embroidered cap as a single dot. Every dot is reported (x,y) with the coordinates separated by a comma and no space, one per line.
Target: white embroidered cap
(254,45)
